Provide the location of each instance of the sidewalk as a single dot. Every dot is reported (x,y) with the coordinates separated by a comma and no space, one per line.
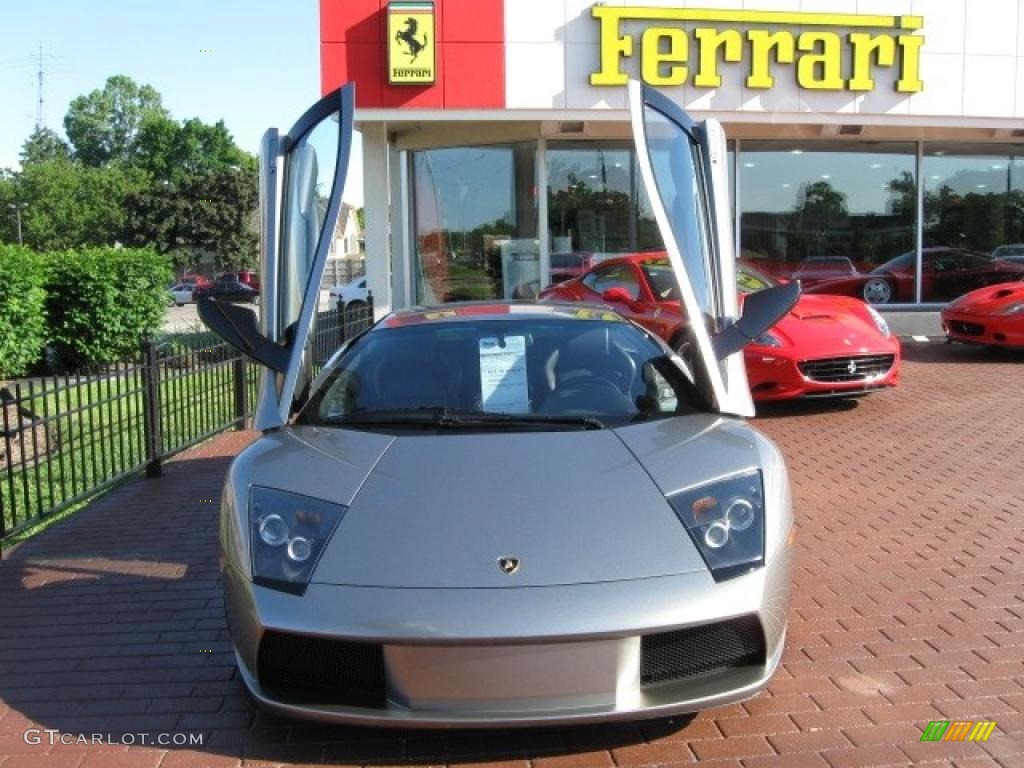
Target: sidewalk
(908,606)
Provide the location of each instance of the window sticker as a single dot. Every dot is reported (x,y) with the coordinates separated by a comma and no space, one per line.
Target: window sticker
(503,383)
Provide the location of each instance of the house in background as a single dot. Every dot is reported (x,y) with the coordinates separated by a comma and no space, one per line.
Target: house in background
(346,259)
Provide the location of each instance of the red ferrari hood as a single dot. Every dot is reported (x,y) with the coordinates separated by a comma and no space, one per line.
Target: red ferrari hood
(991,300)
(830,325)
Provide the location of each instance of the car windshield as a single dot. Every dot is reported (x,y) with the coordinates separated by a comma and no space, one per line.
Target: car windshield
(662,280)
(750,280)
(517,373)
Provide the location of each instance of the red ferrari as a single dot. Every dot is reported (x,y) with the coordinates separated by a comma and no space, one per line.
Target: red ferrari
(826,346)
(993,316)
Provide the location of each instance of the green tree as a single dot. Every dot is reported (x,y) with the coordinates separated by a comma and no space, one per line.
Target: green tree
(43,146)
(103,125)
(203,190)
(72,205)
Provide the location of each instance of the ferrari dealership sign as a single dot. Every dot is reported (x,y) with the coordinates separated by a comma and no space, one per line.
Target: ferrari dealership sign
(411,39)
(808,45)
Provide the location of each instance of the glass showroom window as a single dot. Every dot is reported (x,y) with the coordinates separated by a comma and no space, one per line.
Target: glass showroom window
(838,216)
(596,207)
(475,223)
(973,218)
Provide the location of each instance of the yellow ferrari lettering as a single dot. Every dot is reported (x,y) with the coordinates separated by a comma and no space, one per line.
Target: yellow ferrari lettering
(674,55)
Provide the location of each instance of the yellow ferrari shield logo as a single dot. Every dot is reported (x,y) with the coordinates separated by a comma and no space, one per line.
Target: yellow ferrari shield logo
(411,37)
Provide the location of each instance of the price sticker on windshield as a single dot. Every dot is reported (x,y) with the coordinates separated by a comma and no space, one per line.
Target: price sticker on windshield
(503,383)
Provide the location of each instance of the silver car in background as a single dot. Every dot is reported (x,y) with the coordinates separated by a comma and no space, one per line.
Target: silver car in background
(504,513)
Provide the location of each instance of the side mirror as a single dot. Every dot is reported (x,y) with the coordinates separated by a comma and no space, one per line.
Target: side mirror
(618,294)
(238,327)
(761,311)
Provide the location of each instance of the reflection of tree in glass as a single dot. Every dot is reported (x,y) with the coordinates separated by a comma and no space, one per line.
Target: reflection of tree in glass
(976,220)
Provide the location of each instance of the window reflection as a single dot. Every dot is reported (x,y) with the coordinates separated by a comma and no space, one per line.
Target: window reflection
(596,207)
(973,219)
(475,222)
(840,217)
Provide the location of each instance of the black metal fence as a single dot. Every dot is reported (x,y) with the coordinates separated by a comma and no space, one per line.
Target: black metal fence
(66,438)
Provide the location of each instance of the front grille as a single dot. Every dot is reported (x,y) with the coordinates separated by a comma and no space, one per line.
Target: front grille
(323,669)
(967,329)
(685,653)
(855,368)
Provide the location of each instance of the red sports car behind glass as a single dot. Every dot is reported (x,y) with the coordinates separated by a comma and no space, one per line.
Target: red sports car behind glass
(992,316)
(827,345)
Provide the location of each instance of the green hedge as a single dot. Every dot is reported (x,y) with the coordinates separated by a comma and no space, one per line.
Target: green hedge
(101,301)
(22,322)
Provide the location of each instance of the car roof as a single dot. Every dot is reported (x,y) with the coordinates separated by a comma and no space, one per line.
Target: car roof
(498,310)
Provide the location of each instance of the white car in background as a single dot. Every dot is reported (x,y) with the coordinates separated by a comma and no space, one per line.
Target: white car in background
(352,294)
(182,293)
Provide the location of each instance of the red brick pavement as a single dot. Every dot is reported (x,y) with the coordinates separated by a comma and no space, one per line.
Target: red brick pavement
(908,606)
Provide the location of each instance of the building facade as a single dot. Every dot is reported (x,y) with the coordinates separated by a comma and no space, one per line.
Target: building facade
(877,146)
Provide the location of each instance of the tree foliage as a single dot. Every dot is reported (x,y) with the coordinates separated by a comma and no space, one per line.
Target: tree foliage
(134,175)
(44,146)
(103,125)
(22,322)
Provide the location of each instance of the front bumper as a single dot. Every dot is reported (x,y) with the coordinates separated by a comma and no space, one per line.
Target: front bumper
(988,330)
(776,375)
(513,657)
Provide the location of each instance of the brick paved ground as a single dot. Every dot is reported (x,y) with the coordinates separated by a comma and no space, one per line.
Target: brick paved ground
(908,607)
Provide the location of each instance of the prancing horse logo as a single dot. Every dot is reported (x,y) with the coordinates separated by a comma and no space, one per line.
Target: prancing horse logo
(508,564)
(852,367)
(408,36)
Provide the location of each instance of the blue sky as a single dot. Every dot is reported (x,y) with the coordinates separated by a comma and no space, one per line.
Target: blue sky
(262,69)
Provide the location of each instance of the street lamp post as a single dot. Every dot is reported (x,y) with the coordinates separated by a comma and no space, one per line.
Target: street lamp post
(17,208)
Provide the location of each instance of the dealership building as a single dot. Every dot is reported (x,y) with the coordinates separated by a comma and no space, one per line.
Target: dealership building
(875,143)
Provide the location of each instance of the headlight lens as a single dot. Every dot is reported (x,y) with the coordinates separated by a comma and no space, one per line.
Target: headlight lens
(880,323)
(725,519)
(289,532)
(1014,309)
(768,340)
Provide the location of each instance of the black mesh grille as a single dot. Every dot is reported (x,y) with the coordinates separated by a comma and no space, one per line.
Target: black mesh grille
(967,329)
(856,368)
(324,669)
(685,653)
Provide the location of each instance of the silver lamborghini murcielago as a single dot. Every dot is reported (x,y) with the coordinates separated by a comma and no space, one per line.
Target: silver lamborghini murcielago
(504,513)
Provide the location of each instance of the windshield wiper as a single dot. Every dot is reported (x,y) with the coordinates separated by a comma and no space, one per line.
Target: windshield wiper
(442,416)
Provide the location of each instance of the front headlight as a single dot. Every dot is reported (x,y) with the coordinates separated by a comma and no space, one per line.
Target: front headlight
(880,323)
(1014,309)
(725,519)
(288,533)
(768,339)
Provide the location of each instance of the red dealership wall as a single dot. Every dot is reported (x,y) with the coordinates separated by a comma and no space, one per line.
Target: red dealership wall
(470,54)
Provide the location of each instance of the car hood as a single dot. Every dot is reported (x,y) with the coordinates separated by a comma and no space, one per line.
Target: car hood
(573,507)
(830,325)
(990,300)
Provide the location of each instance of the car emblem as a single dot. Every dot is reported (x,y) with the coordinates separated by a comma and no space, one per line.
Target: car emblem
(852,367)
(508,565)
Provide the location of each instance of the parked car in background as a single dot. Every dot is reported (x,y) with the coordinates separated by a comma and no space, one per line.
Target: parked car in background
(1013,252)
(946,273)
(182,293)
(194,279)
(838,275)
(248,277)
(826,345)
(352,294)
(228,288)
(992,316)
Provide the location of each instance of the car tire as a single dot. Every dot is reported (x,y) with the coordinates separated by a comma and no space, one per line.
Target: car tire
(877,290)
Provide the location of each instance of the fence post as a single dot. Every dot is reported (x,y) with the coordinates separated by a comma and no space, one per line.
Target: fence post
(151,408)
(241,407)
